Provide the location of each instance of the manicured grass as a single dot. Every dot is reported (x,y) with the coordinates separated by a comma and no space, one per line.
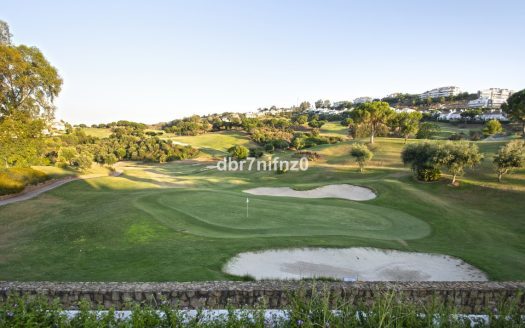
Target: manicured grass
(183,221)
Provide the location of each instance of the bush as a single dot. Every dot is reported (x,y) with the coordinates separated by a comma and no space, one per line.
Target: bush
(256,152)
(311,155)
(269,147)
(238,152)
(457,136)
(475,135)
(428,174)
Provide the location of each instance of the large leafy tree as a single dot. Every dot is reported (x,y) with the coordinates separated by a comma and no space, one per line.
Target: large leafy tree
(406,124)
(515,108)
(28,82)
(21,142)
(373,116)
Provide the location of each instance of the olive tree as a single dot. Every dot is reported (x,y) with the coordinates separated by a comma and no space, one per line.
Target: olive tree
(362,154)
(509,156)
(457,156)
(423,159)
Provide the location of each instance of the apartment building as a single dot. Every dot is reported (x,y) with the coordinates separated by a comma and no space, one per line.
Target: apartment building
(496,96)
(441,92)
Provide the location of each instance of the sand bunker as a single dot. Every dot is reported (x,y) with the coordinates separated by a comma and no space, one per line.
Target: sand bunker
(344,191)
(366,264)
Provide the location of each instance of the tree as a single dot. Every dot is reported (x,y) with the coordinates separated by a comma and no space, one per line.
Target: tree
(423,159)
(21,140)
(492,127)
(305,105)
(316,124)
(471,114)
(515,108)
(319,103)
(362,154)
(427,130)
(5,35)
(408,123)
(327,104)
(456,156)
(509,156)
(28,82)
(238,152)
(301,119)
(67,155)
(373,115)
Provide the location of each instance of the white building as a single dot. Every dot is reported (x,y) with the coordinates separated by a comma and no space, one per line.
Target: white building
(404,110)
(441,92)
(362,100)
(450,116)
(496,96)
(479,103)
(494,115)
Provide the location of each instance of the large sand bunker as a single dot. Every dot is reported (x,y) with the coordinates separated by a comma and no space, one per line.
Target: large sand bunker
(367,264)
(344,191)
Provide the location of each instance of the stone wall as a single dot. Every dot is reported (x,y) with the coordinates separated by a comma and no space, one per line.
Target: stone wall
(467,297)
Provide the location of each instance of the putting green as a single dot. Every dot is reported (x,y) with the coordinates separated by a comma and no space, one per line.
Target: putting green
(188,210)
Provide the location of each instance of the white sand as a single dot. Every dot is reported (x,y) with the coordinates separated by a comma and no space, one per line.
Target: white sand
(366,264)
(344,191)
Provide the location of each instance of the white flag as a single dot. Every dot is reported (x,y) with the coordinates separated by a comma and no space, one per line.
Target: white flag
(247,200)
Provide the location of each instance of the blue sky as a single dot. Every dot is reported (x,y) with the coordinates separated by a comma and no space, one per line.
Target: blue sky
(157,60)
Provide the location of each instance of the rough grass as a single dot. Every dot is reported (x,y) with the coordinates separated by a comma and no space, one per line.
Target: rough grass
(182,221)
(97,132)
(15,179)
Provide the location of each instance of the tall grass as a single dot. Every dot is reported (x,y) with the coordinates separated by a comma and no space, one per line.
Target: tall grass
(307,308)
(13,180)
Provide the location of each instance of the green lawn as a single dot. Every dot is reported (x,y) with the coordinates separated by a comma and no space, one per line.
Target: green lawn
(334,129)
(215,143)
(183,221)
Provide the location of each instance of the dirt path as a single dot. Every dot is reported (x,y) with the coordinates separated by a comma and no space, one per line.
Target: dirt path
(33,191)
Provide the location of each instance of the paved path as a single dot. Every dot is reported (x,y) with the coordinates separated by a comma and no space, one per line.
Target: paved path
(49,186)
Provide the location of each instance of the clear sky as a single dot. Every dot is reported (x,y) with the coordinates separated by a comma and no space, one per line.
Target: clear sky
(155,60)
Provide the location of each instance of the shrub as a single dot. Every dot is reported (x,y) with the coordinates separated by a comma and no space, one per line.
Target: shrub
(238,152)
(457,136)
(311,155)
(475,135)
(269,147)
(361,154)
(256,152)
(428,174)
(492,127)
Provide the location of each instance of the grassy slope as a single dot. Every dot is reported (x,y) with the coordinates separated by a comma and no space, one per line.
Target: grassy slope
(215,143)
(97,132)
(139,230)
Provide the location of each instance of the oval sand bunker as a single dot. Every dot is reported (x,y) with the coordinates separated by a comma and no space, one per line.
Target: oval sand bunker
(366,264)
(344,191)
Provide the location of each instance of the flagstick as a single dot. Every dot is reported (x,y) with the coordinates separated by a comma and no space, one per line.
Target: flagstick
(247,202)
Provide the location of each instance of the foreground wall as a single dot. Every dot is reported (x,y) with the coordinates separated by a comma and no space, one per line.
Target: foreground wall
(467,297)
